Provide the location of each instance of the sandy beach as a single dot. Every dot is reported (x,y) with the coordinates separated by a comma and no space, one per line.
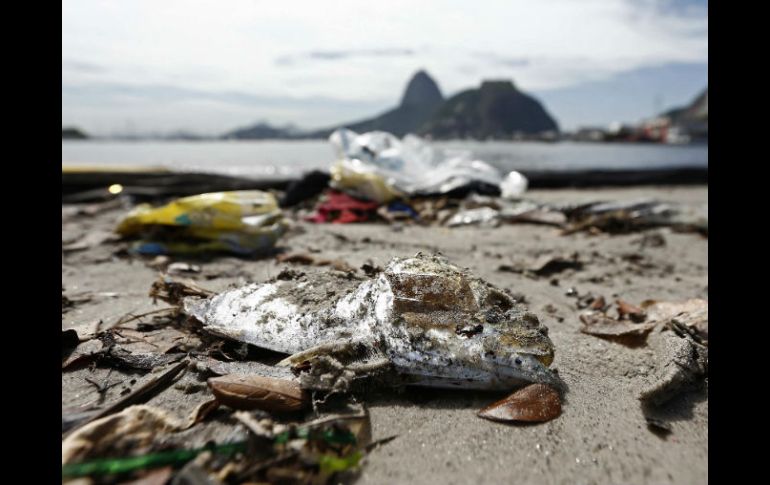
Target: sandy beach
(600,438)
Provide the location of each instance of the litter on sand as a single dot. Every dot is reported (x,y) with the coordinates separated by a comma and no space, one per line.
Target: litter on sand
(633,215)
(380,167)
(310,452)
(241,222)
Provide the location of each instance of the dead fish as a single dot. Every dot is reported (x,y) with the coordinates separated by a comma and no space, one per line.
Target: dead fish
(428,319)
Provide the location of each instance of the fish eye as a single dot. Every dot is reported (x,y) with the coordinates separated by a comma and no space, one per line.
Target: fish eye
(517,361)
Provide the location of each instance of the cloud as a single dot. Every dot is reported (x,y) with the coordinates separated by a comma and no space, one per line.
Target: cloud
(342,55)
(158,92)
(165,107)
(80,66)
(339,50)
(502,60)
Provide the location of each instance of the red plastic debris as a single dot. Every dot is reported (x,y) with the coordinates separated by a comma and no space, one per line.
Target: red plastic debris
(340,208)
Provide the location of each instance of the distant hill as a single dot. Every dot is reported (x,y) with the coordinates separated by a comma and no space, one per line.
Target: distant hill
(693,118)
(418,104)
(72,134)
(495,110)
(262,131)
(697,110)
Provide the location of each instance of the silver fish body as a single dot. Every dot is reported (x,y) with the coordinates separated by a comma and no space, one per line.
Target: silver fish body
(432,320)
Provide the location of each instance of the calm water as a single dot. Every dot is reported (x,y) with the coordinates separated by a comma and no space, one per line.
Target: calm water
(289,158)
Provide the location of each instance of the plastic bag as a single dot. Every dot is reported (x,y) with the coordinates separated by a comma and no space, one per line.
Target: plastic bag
(514,185)
(380,167)
(242,222)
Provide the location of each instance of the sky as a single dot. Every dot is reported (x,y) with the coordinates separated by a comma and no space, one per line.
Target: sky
(211,66)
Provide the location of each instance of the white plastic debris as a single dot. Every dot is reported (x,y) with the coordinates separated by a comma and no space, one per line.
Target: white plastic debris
(514,185)
(380,167)
(482,215)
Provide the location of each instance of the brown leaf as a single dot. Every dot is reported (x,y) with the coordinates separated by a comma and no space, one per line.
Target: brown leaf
(621,331)
(256,392)
(133,428)
(635,314)
(693,313)
(534,403)
(201,412)
(598,304)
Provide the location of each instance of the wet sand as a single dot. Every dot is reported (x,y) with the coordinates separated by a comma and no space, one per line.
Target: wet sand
(601,436)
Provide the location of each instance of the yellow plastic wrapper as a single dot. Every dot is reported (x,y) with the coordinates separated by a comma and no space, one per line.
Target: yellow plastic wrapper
(241,222)
(362,183)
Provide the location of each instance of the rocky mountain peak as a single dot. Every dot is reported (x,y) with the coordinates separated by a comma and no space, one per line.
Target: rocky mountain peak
(422,90)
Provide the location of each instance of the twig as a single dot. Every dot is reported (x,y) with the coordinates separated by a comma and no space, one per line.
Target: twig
(143,394)
(137,317)
(382,441)
(102,388)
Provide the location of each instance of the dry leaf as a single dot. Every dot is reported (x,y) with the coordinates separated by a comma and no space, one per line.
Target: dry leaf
(201,412)
(534,403)
(622,331)
(598,304)
(132,429)
(635,314)
(257,392)
(693,313)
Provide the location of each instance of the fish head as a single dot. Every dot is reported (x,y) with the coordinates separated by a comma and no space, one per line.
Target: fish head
(451,329)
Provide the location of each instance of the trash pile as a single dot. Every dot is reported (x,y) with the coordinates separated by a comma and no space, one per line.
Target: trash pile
(240,222)
(421,321)
(376,170)
(379,177)
(126,444)
(379,167)
(629,216)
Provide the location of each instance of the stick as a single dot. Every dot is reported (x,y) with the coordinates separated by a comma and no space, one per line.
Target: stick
(143,394)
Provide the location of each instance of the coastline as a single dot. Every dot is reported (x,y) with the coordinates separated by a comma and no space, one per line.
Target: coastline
(601,437)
